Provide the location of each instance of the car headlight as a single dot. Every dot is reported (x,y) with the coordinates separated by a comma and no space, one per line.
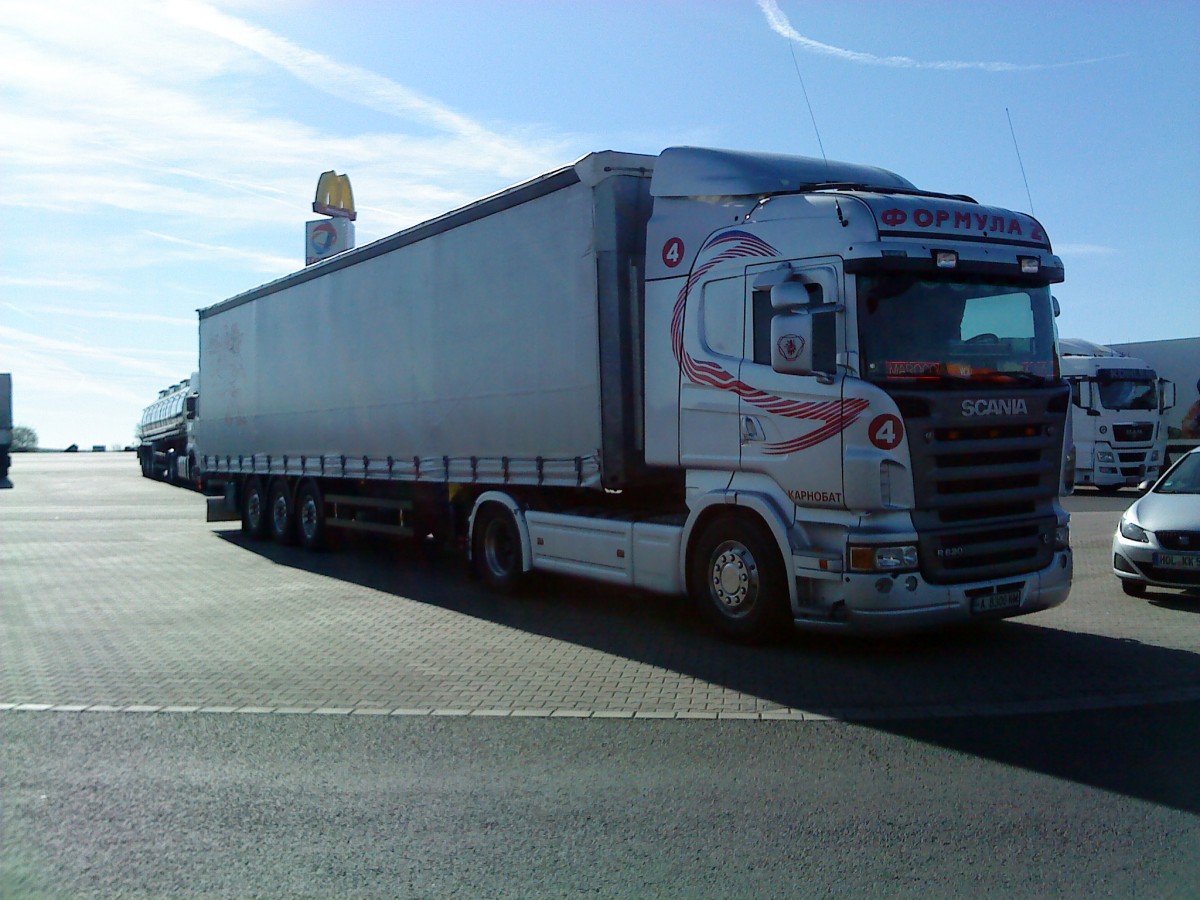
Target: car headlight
(882,559)
(1134,532)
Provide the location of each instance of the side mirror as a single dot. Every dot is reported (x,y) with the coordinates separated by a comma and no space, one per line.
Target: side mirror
(189,405)
(1166,394)
(817,285)
(792,344)
(1054,305)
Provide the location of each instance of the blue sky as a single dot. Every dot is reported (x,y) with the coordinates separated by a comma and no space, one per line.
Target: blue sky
(158,157)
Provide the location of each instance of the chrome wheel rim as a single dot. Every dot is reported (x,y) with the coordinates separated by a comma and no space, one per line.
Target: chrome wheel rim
(734,581)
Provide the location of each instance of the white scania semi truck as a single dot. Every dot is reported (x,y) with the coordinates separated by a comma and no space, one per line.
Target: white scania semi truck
(799,391)
(1119,422)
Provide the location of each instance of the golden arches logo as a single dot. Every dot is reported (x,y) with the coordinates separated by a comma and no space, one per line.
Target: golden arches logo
(334,196)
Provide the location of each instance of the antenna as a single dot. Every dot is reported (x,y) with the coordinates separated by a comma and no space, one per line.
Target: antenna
(1013,132)
(811,115)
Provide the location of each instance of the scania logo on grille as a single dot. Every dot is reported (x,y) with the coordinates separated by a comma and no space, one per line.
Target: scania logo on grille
(1006,407)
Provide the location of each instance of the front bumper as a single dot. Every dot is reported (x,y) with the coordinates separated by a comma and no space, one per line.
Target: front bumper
(865,604)
(1135,561)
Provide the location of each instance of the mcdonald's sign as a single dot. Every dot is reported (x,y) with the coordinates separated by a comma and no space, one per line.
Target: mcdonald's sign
(334,197)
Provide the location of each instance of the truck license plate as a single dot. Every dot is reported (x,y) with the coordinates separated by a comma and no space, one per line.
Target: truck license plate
(992,602)
(1177,561)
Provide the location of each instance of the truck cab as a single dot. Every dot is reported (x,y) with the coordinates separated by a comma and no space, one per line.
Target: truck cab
(870,372)
(1118,410)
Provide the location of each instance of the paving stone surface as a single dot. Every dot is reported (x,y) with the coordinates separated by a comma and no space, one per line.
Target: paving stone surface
(115,594)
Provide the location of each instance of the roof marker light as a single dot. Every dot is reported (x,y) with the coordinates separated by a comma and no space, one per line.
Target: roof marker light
(1030,265)
(946,259)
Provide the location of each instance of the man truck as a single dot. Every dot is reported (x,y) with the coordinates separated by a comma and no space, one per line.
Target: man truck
(1119,415)
(1179,360)
(801,392)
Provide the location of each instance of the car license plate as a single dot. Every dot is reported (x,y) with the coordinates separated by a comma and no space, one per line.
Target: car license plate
(997,601)
(1177,560)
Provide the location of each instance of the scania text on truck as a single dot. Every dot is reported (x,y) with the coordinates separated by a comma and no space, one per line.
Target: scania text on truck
(1119,422)
(165,434)
(795,390)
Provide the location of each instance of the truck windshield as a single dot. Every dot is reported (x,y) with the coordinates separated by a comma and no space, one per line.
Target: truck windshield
(1127,389)
(954,330)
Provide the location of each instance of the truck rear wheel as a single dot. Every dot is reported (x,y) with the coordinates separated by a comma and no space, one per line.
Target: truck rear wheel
(281,523)
(738,579)
(310,516)
(496,548)
(254,509)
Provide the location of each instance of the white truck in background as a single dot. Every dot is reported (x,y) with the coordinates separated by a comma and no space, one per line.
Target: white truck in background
(165,434)
(800,391)
(1119,415)
(1177,359)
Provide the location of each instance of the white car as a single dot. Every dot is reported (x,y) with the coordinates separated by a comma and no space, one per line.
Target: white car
(1157,543)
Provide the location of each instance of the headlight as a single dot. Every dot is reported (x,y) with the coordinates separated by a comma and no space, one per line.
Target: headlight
(1062,537)
(882,559)
(1133,532)
(1105,456)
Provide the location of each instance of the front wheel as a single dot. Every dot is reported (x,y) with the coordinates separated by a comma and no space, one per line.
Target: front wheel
(738,579)
(496,548)
(1133,588)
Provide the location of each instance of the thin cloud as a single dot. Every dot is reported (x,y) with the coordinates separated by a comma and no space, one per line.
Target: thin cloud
(117,316)
(782,26)
(262,262)
(355,84)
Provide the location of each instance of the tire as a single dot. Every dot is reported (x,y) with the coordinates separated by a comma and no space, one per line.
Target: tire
(310,516)
(496,549)
(254,509)
(280,521)
(1133,588)
(738,580)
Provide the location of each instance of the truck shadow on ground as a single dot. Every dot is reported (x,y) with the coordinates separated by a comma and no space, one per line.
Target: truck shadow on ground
(975,690)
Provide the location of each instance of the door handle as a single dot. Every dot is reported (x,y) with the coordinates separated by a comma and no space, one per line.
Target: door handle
(752,430)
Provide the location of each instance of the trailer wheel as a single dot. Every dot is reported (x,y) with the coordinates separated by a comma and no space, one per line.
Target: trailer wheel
(738,579)
(310,516)
(280,521)
(496,548)
(254,509)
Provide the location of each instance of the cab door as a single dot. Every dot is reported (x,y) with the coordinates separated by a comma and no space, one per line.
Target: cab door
(790,425)
(712,341)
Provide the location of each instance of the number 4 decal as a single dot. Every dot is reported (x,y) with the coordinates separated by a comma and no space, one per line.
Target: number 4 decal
(672,252)
(886,432)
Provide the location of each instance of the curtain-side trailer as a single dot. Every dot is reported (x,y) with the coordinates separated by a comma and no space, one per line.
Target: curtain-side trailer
(799,391)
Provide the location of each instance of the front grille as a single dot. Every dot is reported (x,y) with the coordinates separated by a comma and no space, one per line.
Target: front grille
(1134,457)
(1179,540)
(1131,434)
(987,552)
(985,493)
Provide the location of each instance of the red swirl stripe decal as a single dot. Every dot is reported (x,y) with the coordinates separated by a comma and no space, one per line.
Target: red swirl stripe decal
(835,415)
